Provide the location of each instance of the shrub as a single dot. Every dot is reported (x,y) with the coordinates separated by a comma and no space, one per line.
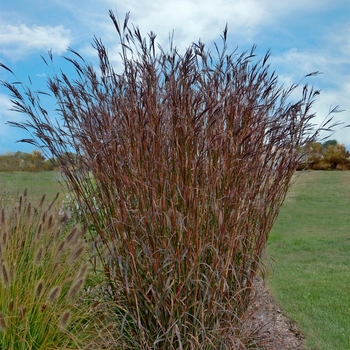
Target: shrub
(21,161)
(42,275)
(336,156)
(188,159)
(322,165)
(329,155)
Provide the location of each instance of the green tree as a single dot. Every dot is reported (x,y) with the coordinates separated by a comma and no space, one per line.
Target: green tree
(51,164)
(328,155)
(37,160)
(21,161)
(312,154)
(336,155)
(328,143)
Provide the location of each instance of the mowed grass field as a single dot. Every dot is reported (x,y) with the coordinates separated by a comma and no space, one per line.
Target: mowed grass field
(37,184)
(310,244)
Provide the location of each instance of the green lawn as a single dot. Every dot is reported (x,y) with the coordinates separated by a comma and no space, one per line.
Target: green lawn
(310,244)
(37,184)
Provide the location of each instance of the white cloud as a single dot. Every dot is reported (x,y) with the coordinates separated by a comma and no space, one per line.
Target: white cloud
(206,19)
(331,57)
(194,19)
(5,115)
(17,41)
(338,39)
(191,19)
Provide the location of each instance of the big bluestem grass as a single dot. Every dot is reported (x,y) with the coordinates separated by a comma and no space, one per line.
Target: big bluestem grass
(41,287)
(188,158)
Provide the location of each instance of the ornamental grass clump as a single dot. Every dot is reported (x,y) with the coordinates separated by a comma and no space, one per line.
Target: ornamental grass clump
(179,164)
(41,286)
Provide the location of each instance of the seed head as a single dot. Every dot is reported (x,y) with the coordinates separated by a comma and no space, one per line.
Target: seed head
(57,234)
(39,289)
(3,324)
(22,312)
(60,249)
(4,239)
(2,216)
(82,271)
(43,219)
(64,319)
(42,200)
(4,274)
(55,267)
(75,288)
(49,224)
(20,204)
(39,255)
(71,235)
(54,294)
(39,229)
(11,304)
(76,254)
(29,210)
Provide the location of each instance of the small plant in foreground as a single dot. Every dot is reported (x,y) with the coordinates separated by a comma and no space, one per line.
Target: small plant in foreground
(42,275)
(189,157)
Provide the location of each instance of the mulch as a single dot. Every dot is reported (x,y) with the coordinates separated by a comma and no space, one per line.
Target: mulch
(267,323)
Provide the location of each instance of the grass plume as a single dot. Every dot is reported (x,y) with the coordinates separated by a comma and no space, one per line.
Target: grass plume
(36,300)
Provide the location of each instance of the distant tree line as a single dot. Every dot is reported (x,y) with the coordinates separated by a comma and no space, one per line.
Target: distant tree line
(325,156)
(316,156)
(21,161)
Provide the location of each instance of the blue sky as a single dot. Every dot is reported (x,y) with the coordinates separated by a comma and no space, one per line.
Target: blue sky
(304,36)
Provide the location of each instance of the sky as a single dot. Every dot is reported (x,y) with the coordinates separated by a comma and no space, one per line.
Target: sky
(303,36)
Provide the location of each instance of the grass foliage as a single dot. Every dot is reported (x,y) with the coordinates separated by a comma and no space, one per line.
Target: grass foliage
(42,275)
(181,163)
